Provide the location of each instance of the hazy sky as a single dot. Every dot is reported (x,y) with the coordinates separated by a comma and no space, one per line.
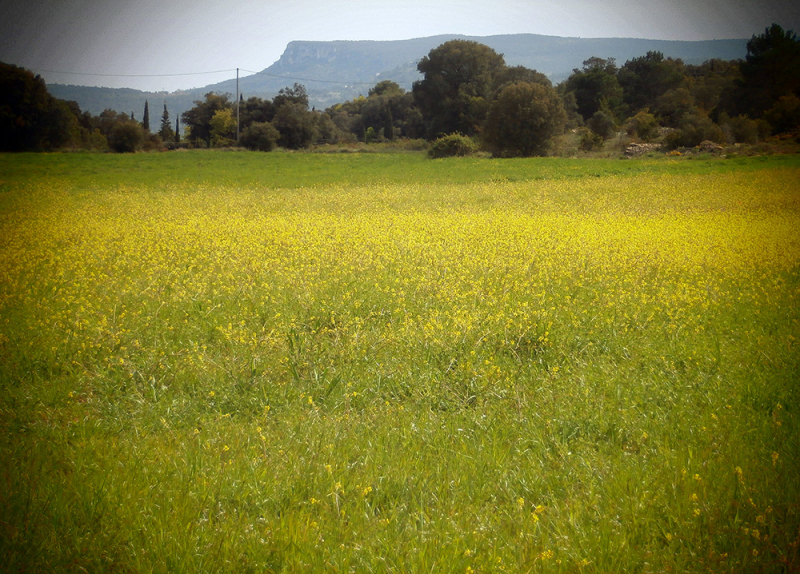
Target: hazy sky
(164,38)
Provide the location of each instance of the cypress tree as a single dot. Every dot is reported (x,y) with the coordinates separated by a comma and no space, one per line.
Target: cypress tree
(166,127)
(177,130)
(146,118)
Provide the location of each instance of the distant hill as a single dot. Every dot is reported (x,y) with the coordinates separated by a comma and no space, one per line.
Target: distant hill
(338,71)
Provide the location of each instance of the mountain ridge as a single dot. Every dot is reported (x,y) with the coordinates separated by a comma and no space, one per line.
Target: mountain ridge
(340,70)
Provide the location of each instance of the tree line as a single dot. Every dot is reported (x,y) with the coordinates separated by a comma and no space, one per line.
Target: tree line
(467,91)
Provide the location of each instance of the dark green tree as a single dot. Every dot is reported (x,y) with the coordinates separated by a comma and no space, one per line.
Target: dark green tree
(166,132)
(388,126)
(30,118)
(596,87)
(647,78)
(771,70)
(602,123)
(255,110)
(674,105)
(708,81)
(260,136)
(177,130)
(511,75)
(297,125)
(295,95)
(386,88)
(126,136)
(459,81)
(146,117)
(523,120)
(198,119)
(694,129)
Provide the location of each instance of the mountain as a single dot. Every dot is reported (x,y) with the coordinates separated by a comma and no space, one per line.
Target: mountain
(338,71)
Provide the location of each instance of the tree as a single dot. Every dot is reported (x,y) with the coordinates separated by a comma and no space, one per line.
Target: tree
(326,130)
(223,127)
(710,80)
(523,120)
(771,70)
(260,136)
(602,123)
(457,87)
(198,119)
(694,129)
(294,95)
(255,110)
(646,78)
(166,132)
(673,105)
(511,75)
(146,117)
(126,136)
(177,130)
(386,88)
(643,125)
(30,118)
(596,87)
(297,126)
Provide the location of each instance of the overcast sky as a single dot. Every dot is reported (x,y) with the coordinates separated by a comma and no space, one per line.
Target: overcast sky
(170,41)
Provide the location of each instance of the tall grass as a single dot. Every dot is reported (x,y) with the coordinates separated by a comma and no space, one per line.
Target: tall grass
(539,366)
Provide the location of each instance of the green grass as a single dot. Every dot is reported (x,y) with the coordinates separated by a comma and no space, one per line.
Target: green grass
(296,170)
(241,362)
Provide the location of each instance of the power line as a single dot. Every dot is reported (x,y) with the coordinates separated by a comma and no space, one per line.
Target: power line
(133,75)
(308,79)
(262,73)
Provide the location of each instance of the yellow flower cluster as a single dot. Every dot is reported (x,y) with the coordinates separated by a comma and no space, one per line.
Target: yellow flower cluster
(147,284)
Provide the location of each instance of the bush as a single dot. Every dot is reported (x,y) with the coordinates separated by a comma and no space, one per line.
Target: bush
(451,146)
(602,124)
(152,142)
(784,116)
(741,129)
(643,125)
(590,140)
(523,120)
(694,129)
(297,126)
(126,137)
(260,136)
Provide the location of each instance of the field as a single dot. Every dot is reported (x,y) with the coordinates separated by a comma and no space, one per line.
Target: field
(241,362)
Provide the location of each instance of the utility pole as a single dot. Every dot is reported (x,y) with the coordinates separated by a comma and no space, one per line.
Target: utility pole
(237,105)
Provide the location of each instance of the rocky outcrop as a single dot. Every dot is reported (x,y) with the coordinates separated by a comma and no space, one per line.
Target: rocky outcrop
(637,149)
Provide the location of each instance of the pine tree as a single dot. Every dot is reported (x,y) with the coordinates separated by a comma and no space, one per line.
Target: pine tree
(166,132)
(146,118)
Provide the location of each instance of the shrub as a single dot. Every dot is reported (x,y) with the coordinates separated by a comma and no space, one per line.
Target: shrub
(297,126)
(126,137)
(451,146)
(590,140)
(260,136)
(784,116)
(643,125)
(602,124)
(741,129)
(694,129)
(523,120)
(152,142)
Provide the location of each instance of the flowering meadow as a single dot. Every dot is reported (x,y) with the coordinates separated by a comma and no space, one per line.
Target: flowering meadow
(537,368)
